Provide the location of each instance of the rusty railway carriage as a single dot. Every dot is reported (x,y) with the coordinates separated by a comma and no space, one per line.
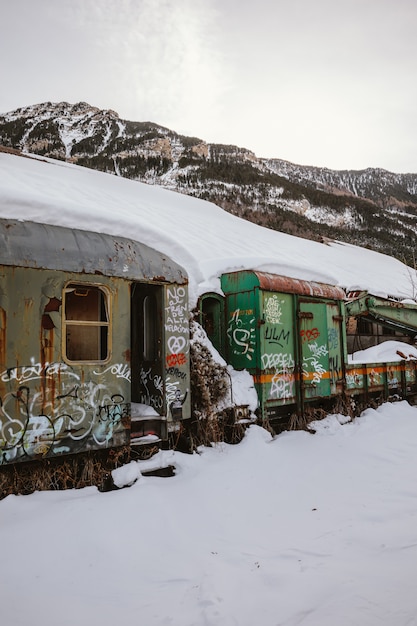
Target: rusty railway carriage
(291,336)
(94,347)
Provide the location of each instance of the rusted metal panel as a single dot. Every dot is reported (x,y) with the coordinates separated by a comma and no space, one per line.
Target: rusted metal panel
(395,376)
(410,378)
(245,280)
(274,282)
(42,246)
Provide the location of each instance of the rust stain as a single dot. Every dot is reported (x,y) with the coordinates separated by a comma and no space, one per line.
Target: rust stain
(283,284)
(27,312)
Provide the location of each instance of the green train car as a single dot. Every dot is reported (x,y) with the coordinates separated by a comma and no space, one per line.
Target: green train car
(290,335)
(94,347)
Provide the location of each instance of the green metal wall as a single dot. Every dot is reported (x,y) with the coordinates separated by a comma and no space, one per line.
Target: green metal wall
(293,345)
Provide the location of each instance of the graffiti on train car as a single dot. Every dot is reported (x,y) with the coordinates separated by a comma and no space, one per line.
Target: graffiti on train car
(242,334)
(313,365)
(273,309)
(174,371)
(278,347)
(282,384)
(375,378)
(277,360)
(354,379)
(120,370)
(152,388)
(279,337)
(176,318)
(48,408)
(393,376)
(333,339)
(177,346)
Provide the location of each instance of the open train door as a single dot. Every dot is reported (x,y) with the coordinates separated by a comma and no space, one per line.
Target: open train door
(147,393)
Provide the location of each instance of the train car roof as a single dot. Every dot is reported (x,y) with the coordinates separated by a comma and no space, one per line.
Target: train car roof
(44,246)
(247,279)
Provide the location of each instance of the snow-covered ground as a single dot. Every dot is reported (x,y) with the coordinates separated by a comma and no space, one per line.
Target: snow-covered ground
(318,530)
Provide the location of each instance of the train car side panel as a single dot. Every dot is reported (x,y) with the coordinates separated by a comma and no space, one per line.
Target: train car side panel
(322,347)
(54,402)
(314,349)
(176,355)
(278,377)
(242,329)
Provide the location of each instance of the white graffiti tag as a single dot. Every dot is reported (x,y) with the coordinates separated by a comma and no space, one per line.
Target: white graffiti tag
(24,374)
(120,370)
(278,360)
(282,385)
(176,344)
(273,310)
(176,311)
(242,340)
(313,364)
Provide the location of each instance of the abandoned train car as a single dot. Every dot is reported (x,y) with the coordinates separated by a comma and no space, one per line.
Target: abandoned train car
(290,334)
(94,349)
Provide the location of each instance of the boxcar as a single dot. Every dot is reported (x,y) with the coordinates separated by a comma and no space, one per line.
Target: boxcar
(94,344)
(289,334)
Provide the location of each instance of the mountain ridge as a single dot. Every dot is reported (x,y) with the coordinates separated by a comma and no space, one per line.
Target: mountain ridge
(372,208)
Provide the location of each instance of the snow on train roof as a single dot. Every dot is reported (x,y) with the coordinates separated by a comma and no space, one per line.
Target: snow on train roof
(203,238)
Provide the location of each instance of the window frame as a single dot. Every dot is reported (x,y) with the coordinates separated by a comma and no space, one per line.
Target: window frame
(107,295)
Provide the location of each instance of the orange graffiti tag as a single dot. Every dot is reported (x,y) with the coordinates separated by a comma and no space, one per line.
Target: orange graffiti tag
(176,359)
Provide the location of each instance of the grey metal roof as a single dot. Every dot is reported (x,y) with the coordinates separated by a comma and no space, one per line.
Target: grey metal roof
(29,244)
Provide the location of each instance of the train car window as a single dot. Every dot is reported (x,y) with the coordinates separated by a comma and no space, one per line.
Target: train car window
(86,323)
(150,339)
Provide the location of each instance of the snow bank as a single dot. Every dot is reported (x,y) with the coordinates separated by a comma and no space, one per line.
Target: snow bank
(386,351)
(304,529)
(200,236)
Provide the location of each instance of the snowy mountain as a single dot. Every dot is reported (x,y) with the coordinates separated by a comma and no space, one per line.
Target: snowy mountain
(372,208)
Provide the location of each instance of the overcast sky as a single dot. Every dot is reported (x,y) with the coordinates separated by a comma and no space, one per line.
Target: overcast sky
(327,82)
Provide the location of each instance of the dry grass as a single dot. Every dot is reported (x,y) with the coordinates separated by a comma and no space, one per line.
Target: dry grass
(75,472)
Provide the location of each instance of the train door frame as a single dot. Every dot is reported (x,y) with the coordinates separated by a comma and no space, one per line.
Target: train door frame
(211,310)
(147,359)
